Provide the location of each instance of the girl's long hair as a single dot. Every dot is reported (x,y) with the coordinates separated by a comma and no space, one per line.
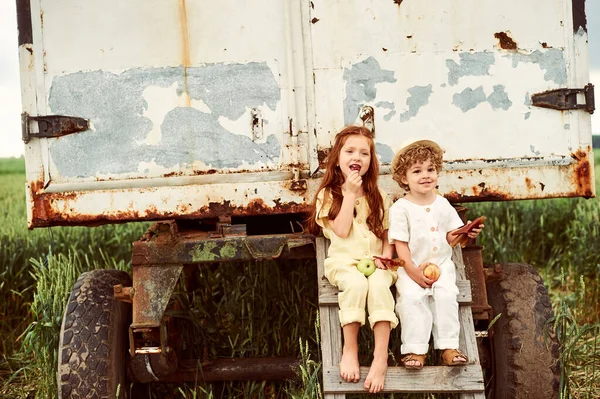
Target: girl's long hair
(334,179)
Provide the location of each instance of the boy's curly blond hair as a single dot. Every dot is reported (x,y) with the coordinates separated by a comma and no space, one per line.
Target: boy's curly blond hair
(419,151)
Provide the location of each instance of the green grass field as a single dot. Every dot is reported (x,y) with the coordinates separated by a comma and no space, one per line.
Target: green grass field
(240,311)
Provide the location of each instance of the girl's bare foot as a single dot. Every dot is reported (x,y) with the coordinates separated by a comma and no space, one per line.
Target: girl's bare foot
(349,367)
(376,377)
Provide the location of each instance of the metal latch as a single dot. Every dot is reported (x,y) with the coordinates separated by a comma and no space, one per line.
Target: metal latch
(51,125)
(565,99)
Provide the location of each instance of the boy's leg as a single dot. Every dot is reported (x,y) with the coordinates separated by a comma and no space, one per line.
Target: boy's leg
(446,325)
(413,308)
(349,367)
(376,377)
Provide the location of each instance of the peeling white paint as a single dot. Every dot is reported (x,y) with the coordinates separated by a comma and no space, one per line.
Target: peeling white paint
(159,110)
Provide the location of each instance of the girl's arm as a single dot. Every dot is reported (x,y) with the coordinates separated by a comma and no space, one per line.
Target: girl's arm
(386,252)
(351,188)
(343,221)
(414,272)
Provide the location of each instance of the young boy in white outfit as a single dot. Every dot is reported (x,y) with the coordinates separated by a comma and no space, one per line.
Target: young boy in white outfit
(421,228)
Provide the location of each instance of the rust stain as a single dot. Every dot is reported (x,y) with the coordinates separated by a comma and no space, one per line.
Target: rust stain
(479,195)
(315,20)
(582,174)
(529,184)
(322,157)
(185,49)
(45,214)
(197,173)
(506,42)
(398,2)
(545,45)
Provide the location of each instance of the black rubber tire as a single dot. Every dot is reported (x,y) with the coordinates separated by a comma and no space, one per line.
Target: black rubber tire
(525,347)
(93,338)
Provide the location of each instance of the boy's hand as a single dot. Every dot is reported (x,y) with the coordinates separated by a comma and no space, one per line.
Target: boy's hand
(469,230)
(416,273)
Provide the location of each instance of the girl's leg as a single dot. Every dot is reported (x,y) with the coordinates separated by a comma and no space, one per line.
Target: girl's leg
(382,319)
(376,377)
(352,299)
(380,301)
(349,367)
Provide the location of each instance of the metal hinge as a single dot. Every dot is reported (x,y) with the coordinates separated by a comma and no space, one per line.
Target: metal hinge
(565,99)
(51,125)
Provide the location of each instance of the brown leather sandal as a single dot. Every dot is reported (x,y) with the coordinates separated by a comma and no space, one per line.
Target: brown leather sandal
(415,358)
(448,356)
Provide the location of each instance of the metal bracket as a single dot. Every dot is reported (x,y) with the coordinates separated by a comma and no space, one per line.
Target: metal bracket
(51,125)
(565,99)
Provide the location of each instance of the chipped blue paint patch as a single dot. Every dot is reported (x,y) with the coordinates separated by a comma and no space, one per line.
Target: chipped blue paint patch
(188,132)
(419,96)
(551,60)
(470,64)
(499,98)
(388,105)
(469,98)
(115,105)
(532,149)
(567,126)
(527,100)
(361,79)
(527,115)
(386,155)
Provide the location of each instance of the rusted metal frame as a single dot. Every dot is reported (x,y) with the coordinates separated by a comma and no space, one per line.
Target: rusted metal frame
(200,247)
(475,274)
(243,369)
(152,288)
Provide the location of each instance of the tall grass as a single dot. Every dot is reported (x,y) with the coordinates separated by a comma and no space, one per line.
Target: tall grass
(266,309)
(33,269)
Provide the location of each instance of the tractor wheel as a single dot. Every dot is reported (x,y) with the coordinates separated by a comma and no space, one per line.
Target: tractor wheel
(93,338)
(524,345)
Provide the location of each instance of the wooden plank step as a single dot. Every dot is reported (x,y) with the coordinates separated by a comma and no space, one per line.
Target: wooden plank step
(328,294)
(464,379)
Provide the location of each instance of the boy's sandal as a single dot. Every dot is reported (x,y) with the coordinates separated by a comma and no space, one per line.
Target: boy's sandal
(448,356)
(415,358)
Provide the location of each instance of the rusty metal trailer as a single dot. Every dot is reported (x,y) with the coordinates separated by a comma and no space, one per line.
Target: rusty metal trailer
(219,115)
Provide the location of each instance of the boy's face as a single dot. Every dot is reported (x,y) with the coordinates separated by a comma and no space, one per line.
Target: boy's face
(421,177)
(355,156)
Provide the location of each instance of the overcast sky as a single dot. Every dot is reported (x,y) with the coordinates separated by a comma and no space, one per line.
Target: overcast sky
(10,95)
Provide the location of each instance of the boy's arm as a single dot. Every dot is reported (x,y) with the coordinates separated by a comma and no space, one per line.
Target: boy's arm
(414,272)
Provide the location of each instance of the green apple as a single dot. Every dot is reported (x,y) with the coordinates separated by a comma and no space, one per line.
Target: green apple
(366,266)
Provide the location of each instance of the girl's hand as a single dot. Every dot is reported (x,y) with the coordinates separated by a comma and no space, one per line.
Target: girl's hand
(380,265)
(416,273)
(353,183)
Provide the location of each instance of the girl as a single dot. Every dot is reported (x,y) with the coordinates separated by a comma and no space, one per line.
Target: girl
(422,227)
(353,214)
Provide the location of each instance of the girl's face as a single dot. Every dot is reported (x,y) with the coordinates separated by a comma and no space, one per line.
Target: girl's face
(421,178)
(355,155)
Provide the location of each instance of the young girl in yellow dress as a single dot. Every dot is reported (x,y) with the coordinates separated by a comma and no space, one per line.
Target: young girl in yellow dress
(353,214)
